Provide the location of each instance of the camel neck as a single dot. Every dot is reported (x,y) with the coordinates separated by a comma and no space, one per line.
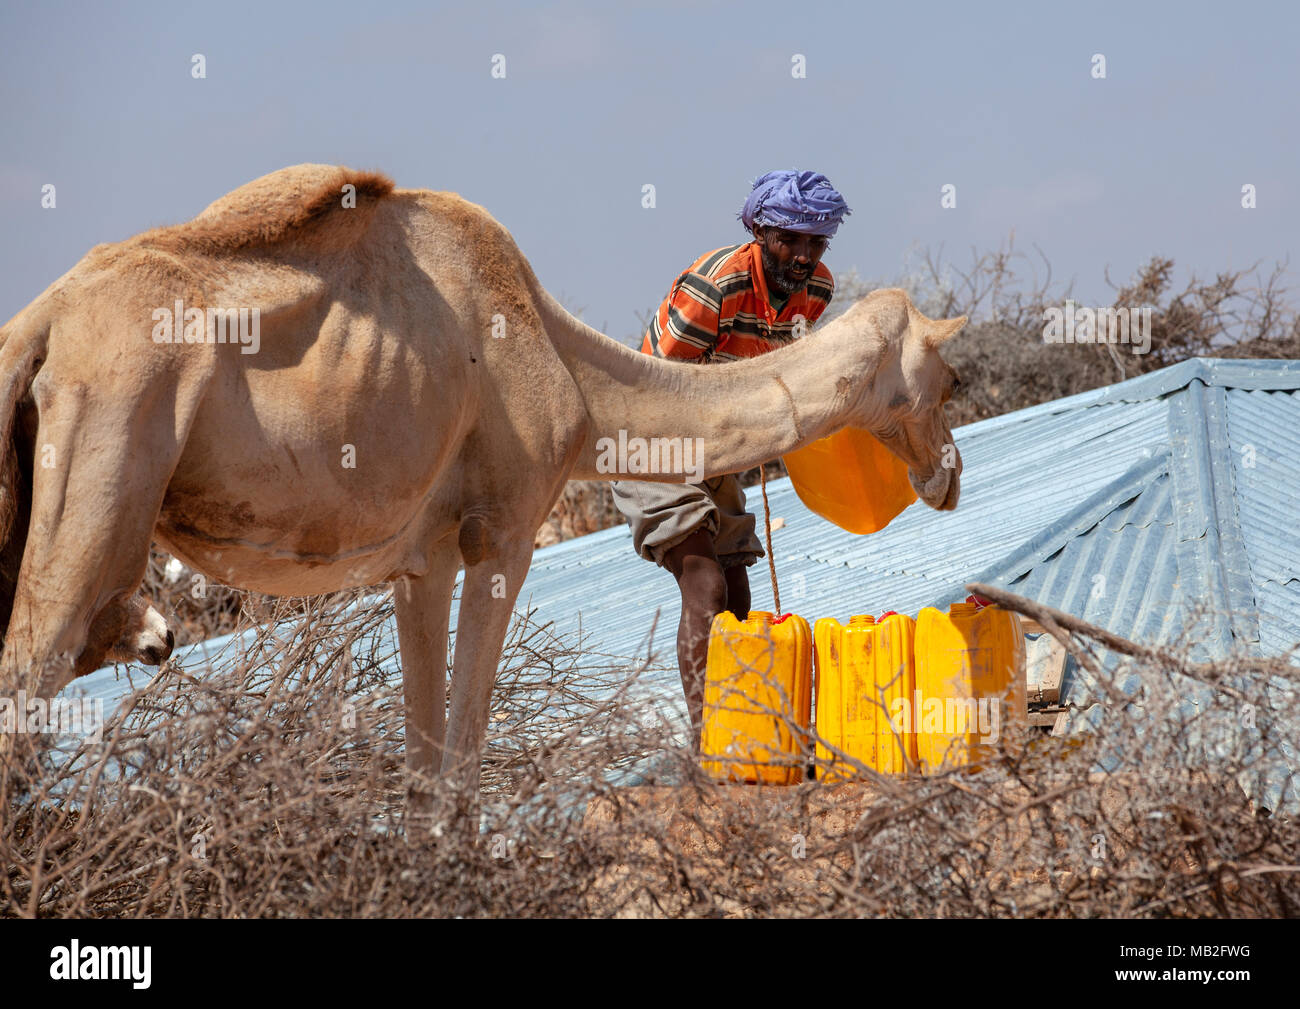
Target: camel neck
(721,418)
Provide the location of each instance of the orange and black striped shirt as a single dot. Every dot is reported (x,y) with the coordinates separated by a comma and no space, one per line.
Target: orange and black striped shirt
(718,309)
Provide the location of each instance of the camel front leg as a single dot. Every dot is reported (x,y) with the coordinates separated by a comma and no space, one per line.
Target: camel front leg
(105,454)
(486,604)
(423,607)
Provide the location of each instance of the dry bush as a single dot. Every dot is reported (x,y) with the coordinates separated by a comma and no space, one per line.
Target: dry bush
(1005,364)
(275,788)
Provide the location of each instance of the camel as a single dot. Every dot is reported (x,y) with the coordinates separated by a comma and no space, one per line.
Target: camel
(414,403)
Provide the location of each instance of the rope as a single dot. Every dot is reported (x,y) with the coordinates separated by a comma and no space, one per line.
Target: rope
(767,527)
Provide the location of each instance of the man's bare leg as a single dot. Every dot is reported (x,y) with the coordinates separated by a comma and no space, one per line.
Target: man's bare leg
(706,591)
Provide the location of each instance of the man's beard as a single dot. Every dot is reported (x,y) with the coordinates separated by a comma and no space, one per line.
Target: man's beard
(780,280)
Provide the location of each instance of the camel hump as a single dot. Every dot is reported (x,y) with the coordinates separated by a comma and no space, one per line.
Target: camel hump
(327,206)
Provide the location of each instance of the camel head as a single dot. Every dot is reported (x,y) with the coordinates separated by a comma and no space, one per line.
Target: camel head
(905,404)
(145,637)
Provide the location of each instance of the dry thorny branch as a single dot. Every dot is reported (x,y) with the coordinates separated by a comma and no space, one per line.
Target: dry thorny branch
(273,785)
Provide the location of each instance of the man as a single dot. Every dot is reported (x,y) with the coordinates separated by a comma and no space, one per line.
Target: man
(734,302)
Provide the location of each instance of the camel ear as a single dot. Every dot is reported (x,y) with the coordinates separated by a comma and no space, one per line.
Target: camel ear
(943,330)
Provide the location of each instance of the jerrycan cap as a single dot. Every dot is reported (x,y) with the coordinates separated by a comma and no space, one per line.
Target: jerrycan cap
(861,620)
(765,616)
(963,609)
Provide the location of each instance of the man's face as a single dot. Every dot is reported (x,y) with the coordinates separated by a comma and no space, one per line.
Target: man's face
(789,257)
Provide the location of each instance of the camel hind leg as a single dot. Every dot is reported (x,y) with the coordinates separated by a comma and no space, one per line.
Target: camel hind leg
(487,602)
(423,607)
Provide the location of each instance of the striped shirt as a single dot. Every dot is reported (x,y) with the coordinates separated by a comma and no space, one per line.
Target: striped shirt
(718,309)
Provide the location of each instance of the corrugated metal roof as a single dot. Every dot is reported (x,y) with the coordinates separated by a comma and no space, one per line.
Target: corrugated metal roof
(1264,435)
(1160,507)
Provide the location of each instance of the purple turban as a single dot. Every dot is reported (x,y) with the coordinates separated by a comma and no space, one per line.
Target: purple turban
(797,201)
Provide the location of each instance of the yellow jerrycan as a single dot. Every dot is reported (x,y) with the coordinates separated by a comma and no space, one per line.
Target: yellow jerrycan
(970,684)
(757,698)
(865,678)
(850,479)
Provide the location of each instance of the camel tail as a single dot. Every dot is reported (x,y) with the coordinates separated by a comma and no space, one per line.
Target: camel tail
(20,357)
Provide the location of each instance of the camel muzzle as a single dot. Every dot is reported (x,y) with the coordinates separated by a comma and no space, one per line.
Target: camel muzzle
(941,490)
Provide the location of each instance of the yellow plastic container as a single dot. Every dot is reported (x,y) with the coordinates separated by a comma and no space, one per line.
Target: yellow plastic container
(757,698)
(865,677)
(851,479)
(970,684)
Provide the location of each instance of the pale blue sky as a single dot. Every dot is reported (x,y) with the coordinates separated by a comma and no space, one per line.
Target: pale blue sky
(695,98)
